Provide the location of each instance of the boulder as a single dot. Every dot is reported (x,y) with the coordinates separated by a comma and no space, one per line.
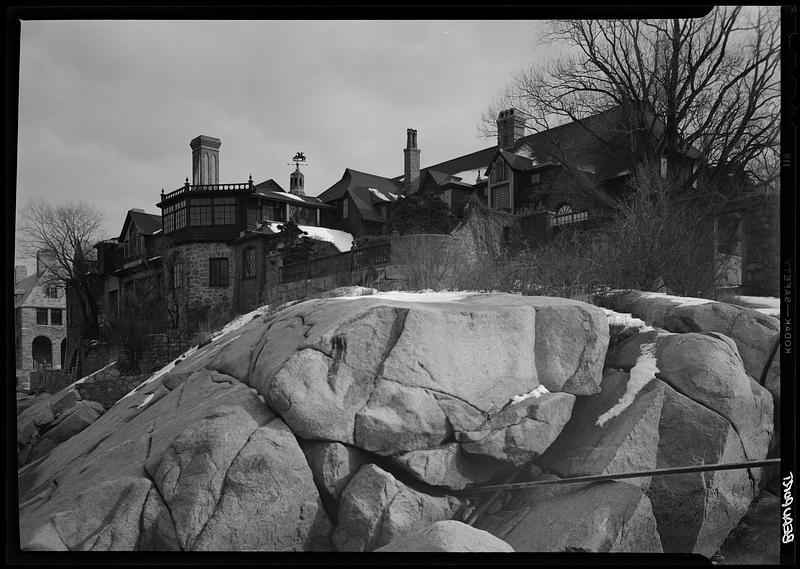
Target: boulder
(206,466)
(397,373)
(753,332)
(73,420)
(640,421)
(708,370)
(449,466)
(376,509)
(600,517)
(332,465)
(522,431)
(448,536)
(64,399)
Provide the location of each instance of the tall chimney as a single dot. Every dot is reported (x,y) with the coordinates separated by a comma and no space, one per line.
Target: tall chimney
(205,160)
(510,128)
(411,169)
(20,272)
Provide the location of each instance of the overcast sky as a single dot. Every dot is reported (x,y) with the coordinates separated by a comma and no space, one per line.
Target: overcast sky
(107,108)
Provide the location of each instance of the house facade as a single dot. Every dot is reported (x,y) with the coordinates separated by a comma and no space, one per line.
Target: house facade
(40,320)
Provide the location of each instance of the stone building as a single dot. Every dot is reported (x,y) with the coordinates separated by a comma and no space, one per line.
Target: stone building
(40,321)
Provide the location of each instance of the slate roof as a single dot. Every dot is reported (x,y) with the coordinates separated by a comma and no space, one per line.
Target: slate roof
(352,178)
(24,287)
(145,223)
(472,161)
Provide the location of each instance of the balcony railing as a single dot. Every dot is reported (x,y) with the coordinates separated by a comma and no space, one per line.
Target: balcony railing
(189,188)
(341,263)
(571,217)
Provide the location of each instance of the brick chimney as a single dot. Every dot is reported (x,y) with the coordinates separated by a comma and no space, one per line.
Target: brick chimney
(20,272)
(205,160)
(510,128)
(411,169)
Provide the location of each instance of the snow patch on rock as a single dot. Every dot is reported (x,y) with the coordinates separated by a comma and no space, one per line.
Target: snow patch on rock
(642,373)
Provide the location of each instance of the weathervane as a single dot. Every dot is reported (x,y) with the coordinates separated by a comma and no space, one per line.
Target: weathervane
(299,160)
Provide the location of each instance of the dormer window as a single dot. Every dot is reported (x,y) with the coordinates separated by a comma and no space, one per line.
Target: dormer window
(499,173)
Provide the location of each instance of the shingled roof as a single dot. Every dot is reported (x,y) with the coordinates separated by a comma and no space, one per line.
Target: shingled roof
(352,178)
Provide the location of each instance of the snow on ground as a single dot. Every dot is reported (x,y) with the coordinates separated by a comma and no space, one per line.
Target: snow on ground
(425,296)
(536,392)
(769,305)
(642,373)
(81,380)
(625,320)
(231,326)
(679,300)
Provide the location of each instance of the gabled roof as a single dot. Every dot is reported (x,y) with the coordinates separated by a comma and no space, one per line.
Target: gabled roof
(352,178)
(467,163)
(270,186)
(145,223)
(26,286)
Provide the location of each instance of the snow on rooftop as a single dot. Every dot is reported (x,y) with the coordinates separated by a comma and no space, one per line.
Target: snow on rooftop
(642,373)
(342,240)
(293,197)
(379,194)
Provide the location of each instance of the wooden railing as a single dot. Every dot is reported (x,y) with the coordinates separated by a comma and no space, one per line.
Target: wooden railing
(341,263)
(188,188)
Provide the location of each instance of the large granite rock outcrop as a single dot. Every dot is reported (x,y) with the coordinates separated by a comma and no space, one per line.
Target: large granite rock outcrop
(448,536)
(209,452)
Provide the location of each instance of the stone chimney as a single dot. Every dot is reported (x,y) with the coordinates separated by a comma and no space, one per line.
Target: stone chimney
(205,160)
(296,181)
(510,128)
(20,272)
(44,258)
(411,169)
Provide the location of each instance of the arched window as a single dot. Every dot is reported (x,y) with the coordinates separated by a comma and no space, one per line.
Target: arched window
(564,209)
(249,263)
(42,352)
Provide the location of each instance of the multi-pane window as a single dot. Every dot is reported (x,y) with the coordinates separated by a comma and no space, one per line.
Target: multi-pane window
(52,292)
(267,212)
(177,274)
(41,316)
(501,198)
(175,216)
(249,263)
(224,211)
(218,271)
(200,211)
(56,316)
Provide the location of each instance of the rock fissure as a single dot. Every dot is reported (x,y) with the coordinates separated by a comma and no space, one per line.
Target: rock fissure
(157,489)
(222,488)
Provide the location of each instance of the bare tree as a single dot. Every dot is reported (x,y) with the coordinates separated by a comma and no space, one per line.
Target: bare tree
(712,84)
(67,233)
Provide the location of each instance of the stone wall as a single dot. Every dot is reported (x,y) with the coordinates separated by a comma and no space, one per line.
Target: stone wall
(202,304)
(107,386)
(162,349)
(48,381)
(761,245)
